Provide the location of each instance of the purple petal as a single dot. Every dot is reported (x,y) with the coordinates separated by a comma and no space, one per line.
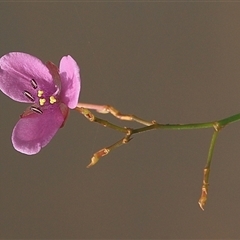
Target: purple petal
(70,78)
(16,71)
(35,131)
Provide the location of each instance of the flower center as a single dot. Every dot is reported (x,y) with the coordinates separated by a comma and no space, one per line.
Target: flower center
(42,99)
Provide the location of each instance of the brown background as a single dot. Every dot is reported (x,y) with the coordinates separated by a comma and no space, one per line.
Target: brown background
(172,61)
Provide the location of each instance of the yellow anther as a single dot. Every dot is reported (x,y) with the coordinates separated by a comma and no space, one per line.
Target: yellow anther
(52,99)
(40,93)
(42,101)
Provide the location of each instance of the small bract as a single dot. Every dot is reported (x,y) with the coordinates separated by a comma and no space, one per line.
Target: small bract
(51,91)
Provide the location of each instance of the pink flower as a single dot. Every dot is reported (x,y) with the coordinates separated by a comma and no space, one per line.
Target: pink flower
(25,78)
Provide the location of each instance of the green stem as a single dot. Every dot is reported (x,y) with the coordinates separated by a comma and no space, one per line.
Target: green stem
(210,152)
(206,172)
(216,125)
(221,123)
(174,126)
(231,119)
(110,125)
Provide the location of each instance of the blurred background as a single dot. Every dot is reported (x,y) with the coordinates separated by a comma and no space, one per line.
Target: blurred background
(173,62)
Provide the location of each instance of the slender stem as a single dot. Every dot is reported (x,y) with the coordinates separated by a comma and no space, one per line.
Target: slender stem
(110,109)
(216,125)
(103,152)
(221,123)
(103,122)
(206,172)
(211,148)
(82,107)
(231,119)
(110,125)
(155,126)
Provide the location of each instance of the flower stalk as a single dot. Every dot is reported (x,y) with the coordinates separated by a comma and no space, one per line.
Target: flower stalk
(153,125)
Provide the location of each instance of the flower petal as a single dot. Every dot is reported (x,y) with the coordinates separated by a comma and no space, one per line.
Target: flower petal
(70,78)
(17,71)
(34,131)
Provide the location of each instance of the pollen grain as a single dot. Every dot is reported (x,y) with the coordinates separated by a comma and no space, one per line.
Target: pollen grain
(42,101)
(40,93)
(52,99)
